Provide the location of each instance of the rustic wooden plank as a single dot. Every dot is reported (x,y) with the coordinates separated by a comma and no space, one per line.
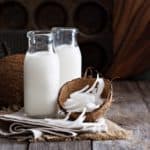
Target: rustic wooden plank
(125,89)
(7,144)
(128,100)
(130,111)
(144,88)
(120,145)
(75,145)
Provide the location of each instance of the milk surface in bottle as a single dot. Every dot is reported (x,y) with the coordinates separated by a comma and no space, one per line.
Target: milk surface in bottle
(66,46)
(41,76)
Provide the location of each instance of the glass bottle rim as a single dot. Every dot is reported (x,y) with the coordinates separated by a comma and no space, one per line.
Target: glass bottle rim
(65,29)
(34,33)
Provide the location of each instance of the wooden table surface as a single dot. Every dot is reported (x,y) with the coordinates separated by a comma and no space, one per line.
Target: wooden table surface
(130,110)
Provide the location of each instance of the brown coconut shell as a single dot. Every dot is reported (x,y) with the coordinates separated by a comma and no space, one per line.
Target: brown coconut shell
(78,84)
(11,80)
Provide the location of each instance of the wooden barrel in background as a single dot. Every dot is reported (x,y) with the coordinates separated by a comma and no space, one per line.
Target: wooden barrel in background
(92,17)
(13,15)
(130,52)
(50,14)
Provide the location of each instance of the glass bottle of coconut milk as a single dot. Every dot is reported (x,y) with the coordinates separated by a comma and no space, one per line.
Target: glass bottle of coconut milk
(66,46)
(41,75)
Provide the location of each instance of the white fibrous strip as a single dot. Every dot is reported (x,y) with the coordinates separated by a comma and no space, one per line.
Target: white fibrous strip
(80,91)
(93,86)
(98,126)
(89,98)
(100,89)
(79,125)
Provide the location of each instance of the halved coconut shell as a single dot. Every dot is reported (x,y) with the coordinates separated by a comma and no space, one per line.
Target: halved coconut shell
(78,84)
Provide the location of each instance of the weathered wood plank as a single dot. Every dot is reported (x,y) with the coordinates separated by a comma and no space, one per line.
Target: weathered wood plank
(125,89)
(130,111)
(6,144)
(128,101)
(120,145)
(75,145)
(144,88)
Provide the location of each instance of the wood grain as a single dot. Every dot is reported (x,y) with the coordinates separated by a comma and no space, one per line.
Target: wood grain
(119,145)
(130,110)
(145,92)
(131,27)
(6,144)
(76,145)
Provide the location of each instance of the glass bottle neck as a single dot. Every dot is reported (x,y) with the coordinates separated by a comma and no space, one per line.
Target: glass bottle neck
(39,41)
(64,36)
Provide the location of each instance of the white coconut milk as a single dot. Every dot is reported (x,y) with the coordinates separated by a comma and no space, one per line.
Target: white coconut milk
(41,83)
(70,62)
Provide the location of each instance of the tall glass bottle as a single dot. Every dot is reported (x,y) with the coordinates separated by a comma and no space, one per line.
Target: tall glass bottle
(41,75)
(66,46)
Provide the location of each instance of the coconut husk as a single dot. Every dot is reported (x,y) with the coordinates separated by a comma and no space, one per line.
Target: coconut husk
(78,84)
(11,80)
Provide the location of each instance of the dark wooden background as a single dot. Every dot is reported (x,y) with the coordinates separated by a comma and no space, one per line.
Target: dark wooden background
(131,26)
(115,33)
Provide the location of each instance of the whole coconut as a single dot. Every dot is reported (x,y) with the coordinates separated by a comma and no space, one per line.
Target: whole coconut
(11,80)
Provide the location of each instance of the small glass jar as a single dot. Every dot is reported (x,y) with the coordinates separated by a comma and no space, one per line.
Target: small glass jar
(41,75)
(66,46)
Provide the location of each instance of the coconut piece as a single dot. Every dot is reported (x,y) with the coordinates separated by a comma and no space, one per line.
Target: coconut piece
(86,99)
(80,91)
(80,83)
(11,80)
